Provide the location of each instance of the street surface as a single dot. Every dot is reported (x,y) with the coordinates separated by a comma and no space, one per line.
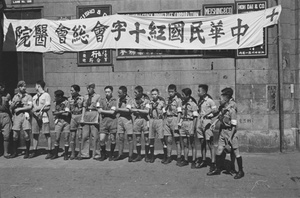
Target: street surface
(266,175)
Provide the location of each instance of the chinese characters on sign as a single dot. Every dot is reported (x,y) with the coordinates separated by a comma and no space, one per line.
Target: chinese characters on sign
(92,57)
(260,50)
(218,9)
(159,32)
(136,36)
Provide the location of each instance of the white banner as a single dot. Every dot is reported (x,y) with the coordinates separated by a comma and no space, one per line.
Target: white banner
(139,32)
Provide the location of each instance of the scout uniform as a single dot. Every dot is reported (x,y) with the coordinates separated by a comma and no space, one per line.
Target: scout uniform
(91,124)
(21,120)
(206,106)
(156,119)
(5,122)
(108,123)
(189,113)
(125,119)
(141,123)
(76,105)
(124,125)
(228,119)
(40,119)
(62,124)
(174,106)
(156,125)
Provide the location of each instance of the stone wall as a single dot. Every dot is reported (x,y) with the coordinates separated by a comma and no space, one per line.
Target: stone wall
(255,80)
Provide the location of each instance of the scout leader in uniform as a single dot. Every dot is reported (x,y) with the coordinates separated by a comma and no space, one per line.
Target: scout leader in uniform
(76,104)
(140,111)
(228,138)
(188,123)
(62,120)
(5,121)
(156,123)
(207,109)
(108,122)
(40,118)
(172,112)
(125,125)
(90,121)
(21,107)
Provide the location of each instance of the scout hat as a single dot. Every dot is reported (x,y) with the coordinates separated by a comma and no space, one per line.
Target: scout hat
(227,92)
(91,85)
(21,83)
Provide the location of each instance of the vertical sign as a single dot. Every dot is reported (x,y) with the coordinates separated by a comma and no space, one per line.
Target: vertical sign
(260,50)
(218,9)
(94,57)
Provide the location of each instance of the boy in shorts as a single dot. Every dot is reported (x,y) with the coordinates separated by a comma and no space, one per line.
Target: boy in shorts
(156,123)
(40,118)
(62,119)
(108,122)
(172,111)
(21,107)
(140,111)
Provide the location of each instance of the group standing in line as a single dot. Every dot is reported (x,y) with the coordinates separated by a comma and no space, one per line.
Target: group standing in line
(179,118)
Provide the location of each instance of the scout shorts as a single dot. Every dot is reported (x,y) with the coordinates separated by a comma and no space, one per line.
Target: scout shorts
(203,129)
(140,125)
(125,125)
(186,129)
(108,125)
(225,137)
(156,128)
(21,122)
(169,127)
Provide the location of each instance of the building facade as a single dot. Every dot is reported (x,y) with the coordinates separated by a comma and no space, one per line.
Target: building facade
(266,87)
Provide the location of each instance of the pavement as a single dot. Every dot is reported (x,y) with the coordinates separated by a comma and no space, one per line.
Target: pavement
(266,175)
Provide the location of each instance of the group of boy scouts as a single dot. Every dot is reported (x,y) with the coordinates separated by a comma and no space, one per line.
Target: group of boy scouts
(179,118)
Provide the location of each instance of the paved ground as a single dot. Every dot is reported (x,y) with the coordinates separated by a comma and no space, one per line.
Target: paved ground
(267,175)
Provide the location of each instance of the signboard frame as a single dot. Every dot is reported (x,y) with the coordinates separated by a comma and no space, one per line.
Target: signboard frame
(158,54)
(80,55)
(19,2)
(265,33)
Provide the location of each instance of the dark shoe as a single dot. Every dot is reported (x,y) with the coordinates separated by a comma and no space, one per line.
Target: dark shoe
(14,155)
(26,155)
(147,159)
(152,159)
(184,163)
(119,157)
(66,157)
(55,156)
(193,165)
(178,163)
(48,156)
(214,172)
(212,167)
(33,154)
(239,175)
(164,160)
(138,158)
(168,161)
(130,159)
(78,157)
(103,157)
(201,165)
(6,156)
(111,157)
(72,157)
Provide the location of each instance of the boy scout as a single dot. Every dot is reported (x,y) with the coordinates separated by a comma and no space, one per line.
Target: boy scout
(90,121)
(228,136)
(76,103)
(172,111)
(21,107)
(62,119)
(156,123)
(124,122)
(140,110)
(207,109)
(108,122)
(5,121)
(188,125)
(40,118)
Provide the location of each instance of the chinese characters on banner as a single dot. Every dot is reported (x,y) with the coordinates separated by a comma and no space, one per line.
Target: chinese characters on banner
(260,50)
(219,9)
(139,32)
(159,53)
(98,56)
